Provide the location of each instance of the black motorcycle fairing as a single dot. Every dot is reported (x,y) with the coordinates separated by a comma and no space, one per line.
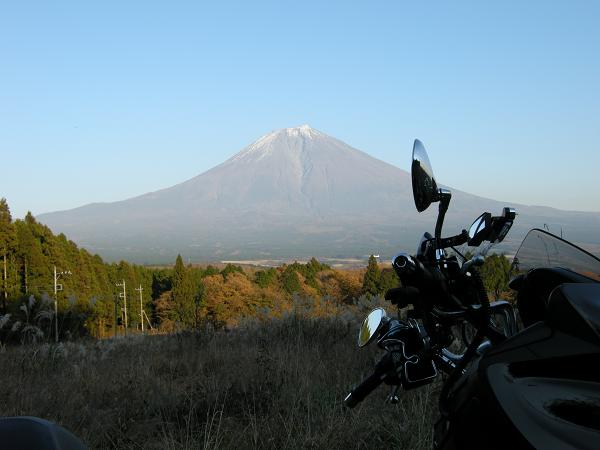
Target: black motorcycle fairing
(546,384)
(534,288)
(575,309)
(475,419)
(537,344)
(549,412)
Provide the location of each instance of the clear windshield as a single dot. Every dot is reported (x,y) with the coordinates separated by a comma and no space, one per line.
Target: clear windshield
(542,249)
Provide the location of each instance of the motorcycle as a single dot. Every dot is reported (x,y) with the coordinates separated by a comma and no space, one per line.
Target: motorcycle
(533,383)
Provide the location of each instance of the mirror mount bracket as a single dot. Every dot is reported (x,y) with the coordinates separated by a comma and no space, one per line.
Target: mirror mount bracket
(443,196)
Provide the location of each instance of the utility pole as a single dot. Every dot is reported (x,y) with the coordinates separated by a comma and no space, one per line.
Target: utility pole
(140,289)
(123,295)
(57,287)
(115,321)
(4,278)
(25,267)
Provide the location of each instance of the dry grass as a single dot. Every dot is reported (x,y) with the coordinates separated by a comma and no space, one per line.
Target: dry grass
(274,385)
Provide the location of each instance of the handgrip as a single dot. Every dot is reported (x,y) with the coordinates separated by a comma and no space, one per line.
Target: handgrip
(367,386)
(402,296)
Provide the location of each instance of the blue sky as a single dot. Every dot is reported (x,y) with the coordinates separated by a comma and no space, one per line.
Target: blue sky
(101,101)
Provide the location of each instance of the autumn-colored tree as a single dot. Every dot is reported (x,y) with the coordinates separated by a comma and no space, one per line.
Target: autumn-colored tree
(351,285)
(165,313)
(330,286)
(227,301)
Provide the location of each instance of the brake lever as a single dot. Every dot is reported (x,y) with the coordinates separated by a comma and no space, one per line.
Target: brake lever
(476,261)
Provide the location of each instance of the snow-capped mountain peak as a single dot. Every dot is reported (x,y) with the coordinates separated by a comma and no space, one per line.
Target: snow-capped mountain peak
(304,131)
(265,145)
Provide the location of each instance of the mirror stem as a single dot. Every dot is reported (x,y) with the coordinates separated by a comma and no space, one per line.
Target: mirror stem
(444,196)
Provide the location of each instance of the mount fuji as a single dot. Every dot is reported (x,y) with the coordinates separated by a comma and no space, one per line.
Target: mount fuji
(293,193)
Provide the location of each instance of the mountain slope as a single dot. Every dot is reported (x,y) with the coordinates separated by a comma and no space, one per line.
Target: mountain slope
(294,192)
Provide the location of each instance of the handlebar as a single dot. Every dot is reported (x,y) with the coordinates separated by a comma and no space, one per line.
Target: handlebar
(402,296)
(369,384)
(454,241)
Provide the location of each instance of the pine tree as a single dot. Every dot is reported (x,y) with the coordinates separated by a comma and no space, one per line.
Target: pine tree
(495,273)
(387,280)
(183,293)
(29,252)
(372,277)
(7,243)
(265,278)
(231,268)
(290,280)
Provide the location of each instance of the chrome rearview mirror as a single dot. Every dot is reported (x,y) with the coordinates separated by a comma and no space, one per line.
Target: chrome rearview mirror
(425,190)
(492,229)
(480,229)
(371,326)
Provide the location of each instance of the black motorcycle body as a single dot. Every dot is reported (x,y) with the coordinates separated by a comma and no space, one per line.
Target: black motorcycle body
(534,388)
(33,433)
(538,389)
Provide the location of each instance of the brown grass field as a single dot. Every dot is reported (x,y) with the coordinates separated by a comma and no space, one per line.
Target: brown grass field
(269,385)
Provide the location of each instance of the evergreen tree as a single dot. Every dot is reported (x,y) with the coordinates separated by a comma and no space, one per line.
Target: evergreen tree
(495,273)
(314,266)
(162,281)
(290,280)
(210,270)
(387,280)
(372,277)
(198,300)
(230,268)
(265,278)
(7,243)
(30,256)
(183,294)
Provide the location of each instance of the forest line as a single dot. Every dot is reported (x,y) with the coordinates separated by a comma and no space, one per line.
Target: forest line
(91,293)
